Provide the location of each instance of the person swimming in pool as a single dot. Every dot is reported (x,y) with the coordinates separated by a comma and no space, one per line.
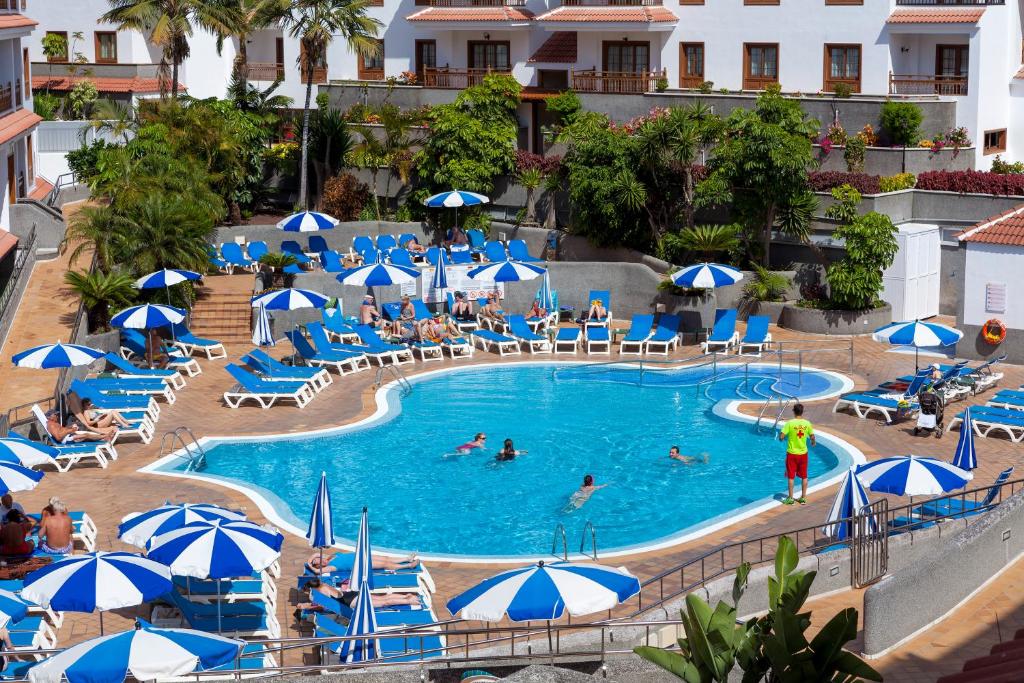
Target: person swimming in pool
(508,451)
(479,441)
(685,459)
(584,492)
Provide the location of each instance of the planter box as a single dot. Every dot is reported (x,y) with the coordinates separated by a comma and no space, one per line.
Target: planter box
(697,312)
(815,321)
(892,160)
(772,309)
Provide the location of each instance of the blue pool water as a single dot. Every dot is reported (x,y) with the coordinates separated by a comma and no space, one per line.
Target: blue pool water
(613,422)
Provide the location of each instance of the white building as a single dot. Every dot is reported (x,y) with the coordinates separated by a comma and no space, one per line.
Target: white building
(966,50)
(17,121)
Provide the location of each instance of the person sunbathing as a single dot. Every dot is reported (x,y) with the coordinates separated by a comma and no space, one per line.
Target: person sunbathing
(313,564)
(72,433)
(87,420)
(56,529)
(462,309)
(537,311)
(414,246)
(597,310)
(492,309)
(368,313)
(347,597)
(406,317)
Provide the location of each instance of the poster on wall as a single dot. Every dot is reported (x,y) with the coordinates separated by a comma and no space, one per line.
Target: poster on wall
(459,281)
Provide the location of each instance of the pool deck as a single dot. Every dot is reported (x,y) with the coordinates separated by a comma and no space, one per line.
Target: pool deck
(109,494)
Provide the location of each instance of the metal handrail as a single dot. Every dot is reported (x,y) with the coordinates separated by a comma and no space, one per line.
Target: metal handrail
(560,531)
(195,461)
(593,539)
(58,185)
(400,378)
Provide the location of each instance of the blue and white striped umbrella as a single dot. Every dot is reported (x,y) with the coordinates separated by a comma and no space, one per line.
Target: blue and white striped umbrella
(146,653)
(362,624)
(911,475)
(165,278)
(965,457)
(57,356)
(12,608)
(97,581)
(27,453)
(262,335)
(148,316)
(289,299)
(545,591)
(139,528)
(217,549)
(706,276)
(850,500)
(14,477)
(507,271)
(918,334)
(307,221)
(439,282)
(321,529)
(362,563)
(378,275)
(453,199)
(546,296)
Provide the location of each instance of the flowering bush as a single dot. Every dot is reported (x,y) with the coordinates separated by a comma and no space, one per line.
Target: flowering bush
(408,78)
(895,183)
(837,134)
(633,125)
(826,144)
(973,182)
(867,133)
(825,181)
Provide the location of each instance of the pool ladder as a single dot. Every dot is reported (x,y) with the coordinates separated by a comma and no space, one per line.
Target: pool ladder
(399,376)
(783,401)
(189,450)
(560,535)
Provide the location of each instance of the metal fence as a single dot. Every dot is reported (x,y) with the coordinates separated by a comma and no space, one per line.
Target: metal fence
(67,136)
(24,255)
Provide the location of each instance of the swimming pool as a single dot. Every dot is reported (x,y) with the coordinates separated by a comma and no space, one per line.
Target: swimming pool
(614,422)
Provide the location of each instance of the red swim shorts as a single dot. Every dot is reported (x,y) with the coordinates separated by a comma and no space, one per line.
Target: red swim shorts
(796,465)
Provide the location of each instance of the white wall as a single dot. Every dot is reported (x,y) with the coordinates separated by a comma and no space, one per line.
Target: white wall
(993,263)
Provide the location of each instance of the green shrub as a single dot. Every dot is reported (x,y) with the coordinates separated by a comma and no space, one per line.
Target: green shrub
(854,152)
(403,214)
(766,285)
(1005,167)
(661,85)
(901,122)
(81,99)
(706,87)
(855,281)
(565,105)
(842,90)
(83,161)
(46,105)
(345,197)
(895,183)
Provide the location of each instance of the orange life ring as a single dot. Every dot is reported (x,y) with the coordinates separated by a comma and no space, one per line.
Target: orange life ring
(993,331)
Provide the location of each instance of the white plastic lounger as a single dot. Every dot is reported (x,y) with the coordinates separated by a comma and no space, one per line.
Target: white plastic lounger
(339,360)
(534,343)
(74,452)
(639,332)
(126,370)
(864,404)
(458,348)
(756,336)
(665,336)
(488,340)
(598,341)
(986,420)
(265,393)
(723,335)
(567,340)
(427,351)
(189,343)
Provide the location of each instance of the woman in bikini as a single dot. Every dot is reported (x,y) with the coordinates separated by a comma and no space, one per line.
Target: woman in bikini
(479,441)
(347,597)
(508,451)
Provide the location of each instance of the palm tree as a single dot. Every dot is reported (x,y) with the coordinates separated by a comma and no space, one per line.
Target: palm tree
(99,291)
(389,147)
(170,24)
(254,16)
(316,23)
(92,230)
(163,232)
(115,118)
(330,135)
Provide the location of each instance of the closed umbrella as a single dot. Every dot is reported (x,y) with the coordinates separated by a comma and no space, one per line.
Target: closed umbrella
(440,281)
(850,500)
(545,294)
(917,334)
(320,532)
(965,457)
(362,562)
(362,624)
(307,221)
(912,475)
(137,529)
(145,653)
(262,334)
(706,276)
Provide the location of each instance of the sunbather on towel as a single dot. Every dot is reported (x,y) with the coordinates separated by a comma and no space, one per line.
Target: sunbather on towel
(584,492)
(508,451)
(597,310)
(492,309)
(379,562)
(348,597)
(413,245)
(462,309)
(90,420)
(537,311)
(479,441)
(685,459)
(72,433)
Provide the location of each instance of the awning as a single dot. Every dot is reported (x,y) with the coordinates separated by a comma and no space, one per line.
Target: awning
(945,15)
(513,16)
(106,84)
(8,242)
(18,123)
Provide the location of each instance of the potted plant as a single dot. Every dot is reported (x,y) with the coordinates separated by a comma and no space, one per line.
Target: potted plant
(275,264)
(765,293)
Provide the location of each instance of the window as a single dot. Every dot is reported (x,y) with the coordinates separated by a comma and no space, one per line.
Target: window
(760,65)
(426,56)
(279,57)
(492,55)
(106,47)
(842,65)
(995,141)
(761,2)
(27,68)
(319,65)
(371,68)
(61,57)
(627,57)
(951,62)
(691,64)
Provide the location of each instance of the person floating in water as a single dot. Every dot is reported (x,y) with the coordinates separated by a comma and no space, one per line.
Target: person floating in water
(686,459)
(584,492)
(508,451)
(479,441)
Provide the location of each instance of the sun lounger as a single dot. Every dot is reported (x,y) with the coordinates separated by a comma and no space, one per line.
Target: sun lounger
(723,335)
(120,402)
(257,250)
(405,238)
(495,251)
(190,343)
(274,370)
(518,329)
(438,253)
(330,261)
(986,420)
(464,325)
(336,327)
(489,340)
(605,297)
(864,404)
(428,350)
(216,261)
(390,649)
(327,357)
(232,253)
(401,257)
(132,387)
(639,332)
(343,564)
(260,588)
(665,336)
(400,355)
(265,393)
(981,377)
(1011,400)
(457,347)
(320,341)
(134,344)
(567,340)
(461,257)
(251,619)
(951,506)
(517,251)
(294,249)
(125,369)
(386,242)
(477,240)
(361,244)
(756,336)
(316,244)
(598,340)
(73,453)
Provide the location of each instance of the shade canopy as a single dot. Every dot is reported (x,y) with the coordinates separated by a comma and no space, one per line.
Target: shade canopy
(917,334)
(851,499)
(378,275)
(15,477)
(217,549)
(911,475)
(361,624)
(320,532)
(137,529)
(307,221)
(148,316)
(706,276)
(454,199)
(262,334)
(362,561)
(289,299)
(97,581)
(506,271)
(57,355)
(27,453)
(166,278)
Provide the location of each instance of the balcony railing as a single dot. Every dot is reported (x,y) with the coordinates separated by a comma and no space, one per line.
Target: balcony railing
(262,71)
(927,85)
(319,75)
(477,3)
(610,3)
(950,3)
(446,77)
(616,81)
(6,104)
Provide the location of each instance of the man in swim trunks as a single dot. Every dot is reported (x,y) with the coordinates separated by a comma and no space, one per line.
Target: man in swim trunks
(685,459)
(55,530)
(379,562)
(348,597)
(795,433)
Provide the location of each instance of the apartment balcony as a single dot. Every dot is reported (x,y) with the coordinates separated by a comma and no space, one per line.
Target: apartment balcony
(263,71)
(616,82)
(949,3)
(454,14)
(456,79)
(903,84)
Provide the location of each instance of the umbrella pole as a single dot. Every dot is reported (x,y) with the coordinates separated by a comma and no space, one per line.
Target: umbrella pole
(101,622)
(551,647)
(218,607)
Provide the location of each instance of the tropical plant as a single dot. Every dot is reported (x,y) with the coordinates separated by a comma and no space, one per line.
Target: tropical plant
(854,152)
(83,161)
(277,262)
(170,23)
(91,230)
(999,165)
(100,291)
(706,242)
(552,185)
(388,147)
(901,122)
(772,647)
(565,105)
(55,46)
(262,102)
(46,105)
(344,197)
(163,232)
(331,136)
(855,281)
(316,23)
(766,285)
(81,99)
(114,118)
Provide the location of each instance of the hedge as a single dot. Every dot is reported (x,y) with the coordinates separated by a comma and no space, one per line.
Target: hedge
(823,181)
(972,182)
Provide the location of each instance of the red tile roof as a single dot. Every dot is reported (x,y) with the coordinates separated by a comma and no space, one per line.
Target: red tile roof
(1006,228)
(8,242)
(647,15)
(43,188)
(560,48)
(936,16)
(462,14)
(127,84)
(531,94)
(13,125)
(16,21)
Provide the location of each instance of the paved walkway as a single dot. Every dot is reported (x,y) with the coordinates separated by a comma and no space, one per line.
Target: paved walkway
(110,494)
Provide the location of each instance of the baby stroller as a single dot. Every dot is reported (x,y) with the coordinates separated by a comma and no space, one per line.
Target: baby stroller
(929,418)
